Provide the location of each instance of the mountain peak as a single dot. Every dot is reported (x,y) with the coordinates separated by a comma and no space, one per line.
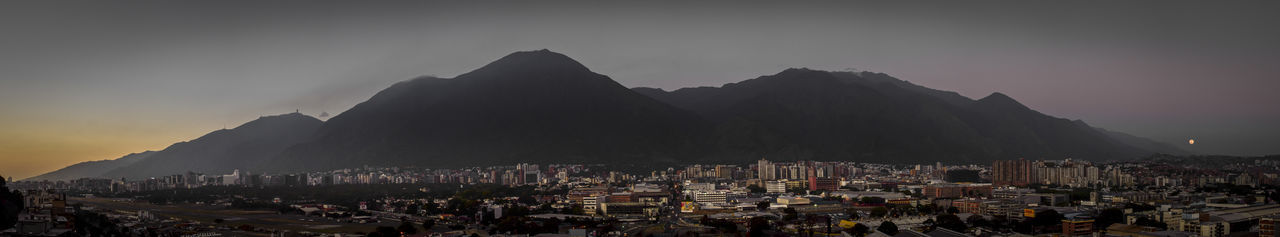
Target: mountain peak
(280,120)
(1001,100)
(534,61)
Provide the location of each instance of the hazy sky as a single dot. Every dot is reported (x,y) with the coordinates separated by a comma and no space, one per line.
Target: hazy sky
(96,80)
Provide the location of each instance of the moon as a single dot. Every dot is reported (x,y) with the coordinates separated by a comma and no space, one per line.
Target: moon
(1191,142)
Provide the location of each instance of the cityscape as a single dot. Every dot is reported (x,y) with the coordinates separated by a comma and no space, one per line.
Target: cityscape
(577,118)
(1150,197)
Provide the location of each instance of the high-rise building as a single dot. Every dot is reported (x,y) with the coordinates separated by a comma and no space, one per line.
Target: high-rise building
(765,170)
(1011,172)
(724,171)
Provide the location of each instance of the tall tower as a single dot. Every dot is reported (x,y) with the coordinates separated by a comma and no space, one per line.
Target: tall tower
(765,170)
(1011,172)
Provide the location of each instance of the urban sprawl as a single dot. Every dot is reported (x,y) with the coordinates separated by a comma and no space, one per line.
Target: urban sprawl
(767,198)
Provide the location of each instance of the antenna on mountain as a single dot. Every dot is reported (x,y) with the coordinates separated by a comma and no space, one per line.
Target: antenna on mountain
(296,111)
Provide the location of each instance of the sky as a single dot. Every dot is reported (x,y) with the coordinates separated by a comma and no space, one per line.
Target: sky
(93,80)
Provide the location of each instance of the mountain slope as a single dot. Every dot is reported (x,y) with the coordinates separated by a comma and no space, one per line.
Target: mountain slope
(1145,143)
(91,169)
(809,114)
(222,151)
(533,106)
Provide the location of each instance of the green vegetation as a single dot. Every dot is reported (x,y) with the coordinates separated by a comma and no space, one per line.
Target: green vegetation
(10,205)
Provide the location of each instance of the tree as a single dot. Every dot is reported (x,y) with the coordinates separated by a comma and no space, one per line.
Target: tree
(927,209)
(756,189)
(412,209)
(879,212)
(763,205)
(851,212)
(953,210)
(871,200)
(516,210)
(427,224)
(951,222)
(800,191)
(575,209)
(888,228)
(757,226)
(978,221)
(407,228)
(1144,221)
(790,214)
(550,226)
(431,208)
(1047,218)
(388,231)
(10,205)
(1108,217)
(720,224)
(860,230)
(487,217)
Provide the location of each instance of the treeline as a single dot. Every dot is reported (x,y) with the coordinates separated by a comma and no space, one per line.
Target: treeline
(349,195)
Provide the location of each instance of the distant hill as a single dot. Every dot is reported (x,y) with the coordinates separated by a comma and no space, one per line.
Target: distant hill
(221,151)
(91,169)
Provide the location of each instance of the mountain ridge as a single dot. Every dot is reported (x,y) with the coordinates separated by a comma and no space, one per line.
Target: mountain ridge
(90,169)
(224,150)
(537,106)
(545,107)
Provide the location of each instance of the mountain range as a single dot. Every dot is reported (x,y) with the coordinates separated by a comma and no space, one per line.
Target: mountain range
(544,107)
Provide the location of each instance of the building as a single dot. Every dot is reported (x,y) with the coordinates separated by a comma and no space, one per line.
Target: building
(1051,199)
(1224,222)
(825,184)
(1267,226)
(590,204)
(1011,193)
(1077,226)
(775,186)
(974,206)
(765,170)
(1065,173)
(710,197)
(1011,172)
(1125,230)
(957,190)
(629,209)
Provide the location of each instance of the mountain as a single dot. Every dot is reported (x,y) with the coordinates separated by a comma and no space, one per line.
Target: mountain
(1145,143)
(531,106)
(544,107)
(91,169)
(221,151)
(808,114)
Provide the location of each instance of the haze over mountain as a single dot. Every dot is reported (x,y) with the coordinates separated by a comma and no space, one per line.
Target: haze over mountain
(543,107)
(91,169)
(222,151)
